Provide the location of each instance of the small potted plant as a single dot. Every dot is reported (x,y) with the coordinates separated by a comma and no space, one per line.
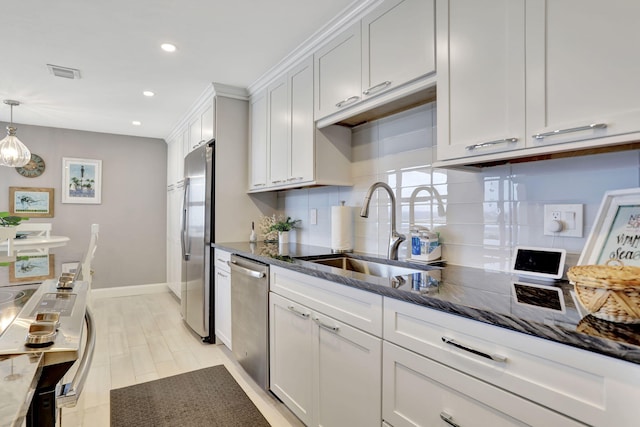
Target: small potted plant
(8,225)
(283,226)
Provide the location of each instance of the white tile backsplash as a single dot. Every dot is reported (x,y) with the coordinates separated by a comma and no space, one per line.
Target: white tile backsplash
(488,212)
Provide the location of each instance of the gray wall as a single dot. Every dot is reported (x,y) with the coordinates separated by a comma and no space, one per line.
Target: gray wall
(132,216)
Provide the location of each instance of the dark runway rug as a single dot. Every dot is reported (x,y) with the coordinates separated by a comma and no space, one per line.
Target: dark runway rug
(207,397)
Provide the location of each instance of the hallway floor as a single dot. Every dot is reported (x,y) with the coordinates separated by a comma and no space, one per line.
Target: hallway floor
(142,338)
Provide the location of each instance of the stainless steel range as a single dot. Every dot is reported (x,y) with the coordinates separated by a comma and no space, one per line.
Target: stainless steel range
(48,319)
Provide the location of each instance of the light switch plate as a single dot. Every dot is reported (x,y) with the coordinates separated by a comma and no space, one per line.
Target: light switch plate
(570,217)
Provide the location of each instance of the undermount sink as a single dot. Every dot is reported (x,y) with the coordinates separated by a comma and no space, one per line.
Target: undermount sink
(371,268)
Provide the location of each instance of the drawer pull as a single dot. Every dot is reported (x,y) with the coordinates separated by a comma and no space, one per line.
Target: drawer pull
(259,185)
(495,357)
(570,130)
(448,419)
(377,88)
(325,326)
(490,143)
(347,101)
(224,261)
(299,313)
(277,181)
(222,274)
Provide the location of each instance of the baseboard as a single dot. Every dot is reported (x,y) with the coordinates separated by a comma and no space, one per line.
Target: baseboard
(125,291)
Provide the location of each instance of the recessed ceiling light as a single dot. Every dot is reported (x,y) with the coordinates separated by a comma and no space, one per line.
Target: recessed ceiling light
(168,47)
(136,123)
(148,93)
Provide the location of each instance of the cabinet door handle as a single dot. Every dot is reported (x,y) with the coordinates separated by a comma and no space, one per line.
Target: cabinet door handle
(222,274)
(376,88)
(577,129)
(347,101)
(276,181)
(262,184)
(325,326)
(495,357)
(491,143)
(224,261)
(448,419)
(295,178)
(298,312)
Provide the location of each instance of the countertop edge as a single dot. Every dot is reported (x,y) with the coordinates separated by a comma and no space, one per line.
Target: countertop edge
(555,333)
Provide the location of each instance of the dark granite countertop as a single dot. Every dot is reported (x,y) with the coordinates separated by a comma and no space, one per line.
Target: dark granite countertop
(545,310)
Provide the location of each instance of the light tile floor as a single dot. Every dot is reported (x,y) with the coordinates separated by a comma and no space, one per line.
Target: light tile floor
(142,338)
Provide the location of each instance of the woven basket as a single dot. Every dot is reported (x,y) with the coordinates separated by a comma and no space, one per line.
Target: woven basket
(609,292)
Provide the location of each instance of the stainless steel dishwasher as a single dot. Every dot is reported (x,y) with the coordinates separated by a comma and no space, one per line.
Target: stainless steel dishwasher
(250,317)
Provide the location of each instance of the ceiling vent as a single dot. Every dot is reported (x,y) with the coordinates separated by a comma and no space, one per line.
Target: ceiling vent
(67,73)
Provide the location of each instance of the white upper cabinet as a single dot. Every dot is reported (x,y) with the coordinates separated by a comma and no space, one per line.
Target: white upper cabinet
(398,44)
(481,77)
(278,131)
(526,78)
(201,127)
(287,150)
(207,122)
(391,46)
(338,68)
(583,69)
(174,157)
(301,145)
(259,155)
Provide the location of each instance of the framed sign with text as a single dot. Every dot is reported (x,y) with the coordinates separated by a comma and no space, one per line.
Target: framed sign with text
(616,231)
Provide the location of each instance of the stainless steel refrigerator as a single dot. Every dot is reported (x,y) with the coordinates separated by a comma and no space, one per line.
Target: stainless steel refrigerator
(196,237)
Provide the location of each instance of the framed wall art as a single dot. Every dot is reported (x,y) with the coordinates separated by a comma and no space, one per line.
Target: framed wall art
(32,268)
(31,202)
(81,180)
(616,231)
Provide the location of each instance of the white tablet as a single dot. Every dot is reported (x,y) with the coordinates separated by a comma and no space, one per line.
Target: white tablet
(544,263)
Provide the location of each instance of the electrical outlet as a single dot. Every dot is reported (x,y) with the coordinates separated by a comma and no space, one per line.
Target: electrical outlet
(563,220)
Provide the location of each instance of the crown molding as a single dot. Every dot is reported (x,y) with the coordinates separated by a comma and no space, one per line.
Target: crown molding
(350,15)
(204,99)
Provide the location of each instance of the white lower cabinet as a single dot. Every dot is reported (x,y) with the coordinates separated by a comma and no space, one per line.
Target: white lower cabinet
(290,350)
(325,371)
(342,356)
(418,391)
(222,297)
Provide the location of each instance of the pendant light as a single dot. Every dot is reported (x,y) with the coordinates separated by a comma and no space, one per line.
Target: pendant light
(13,153)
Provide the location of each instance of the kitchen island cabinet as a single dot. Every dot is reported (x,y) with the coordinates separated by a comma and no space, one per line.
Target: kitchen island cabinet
(520,79)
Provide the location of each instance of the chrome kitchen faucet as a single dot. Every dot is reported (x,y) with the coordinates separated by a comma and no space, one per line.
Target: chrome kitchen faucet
(395,238)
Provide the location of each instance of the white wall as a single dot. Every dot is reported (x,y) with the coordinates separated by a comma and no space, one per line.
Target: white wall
(487,214)
(132,216)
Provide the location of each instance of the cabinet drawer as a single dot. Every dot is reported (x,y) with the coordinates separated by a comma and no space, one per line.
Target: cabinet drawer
(355,307)
(221,258)
(583,385)
(420,392)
